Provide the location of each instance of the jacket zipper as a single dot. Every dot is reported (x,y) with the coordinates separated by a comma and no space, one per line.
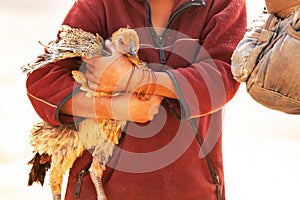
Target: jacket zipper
(160,40)
(161,44)
(85,171)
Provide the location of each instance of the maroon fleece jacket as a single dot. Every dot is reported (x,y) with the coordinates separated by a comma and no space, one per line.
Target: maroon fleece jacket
(161,159)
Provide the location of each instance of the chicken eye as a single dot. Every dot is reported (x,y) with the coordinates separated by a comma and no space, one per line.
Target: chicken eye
(121,42)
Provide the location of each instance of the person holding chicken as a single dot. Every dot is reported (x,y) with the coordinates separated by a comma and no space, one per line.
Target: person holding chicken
(172,146)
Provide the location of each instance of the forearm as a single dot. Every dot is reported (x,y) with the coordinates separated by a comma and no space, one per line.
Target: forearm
(123,107)
(88,107)
(161,83)
(277,6)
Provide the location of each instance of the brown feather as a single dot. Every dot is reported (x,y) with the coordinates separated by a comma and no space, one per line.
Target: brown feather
(39,168)
(60,146)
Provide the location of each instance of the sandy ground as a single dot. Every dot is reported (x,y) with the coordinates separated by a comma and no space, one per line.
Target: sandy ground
(261,146)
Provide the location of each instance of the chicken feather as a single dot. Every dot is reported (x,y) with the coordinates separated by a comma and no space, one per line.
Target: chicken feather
(57,147)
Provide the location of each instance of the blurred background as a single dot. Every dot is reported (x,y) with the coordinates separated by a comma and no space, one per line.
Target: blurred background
(261,146)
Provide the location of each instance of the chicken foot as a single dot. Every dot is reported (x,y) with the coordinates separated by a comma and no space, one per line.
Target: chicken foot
(96,172)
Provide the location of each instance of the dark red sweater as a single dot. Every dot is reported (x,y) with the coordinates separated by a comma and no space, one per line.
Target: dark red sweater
(161,159)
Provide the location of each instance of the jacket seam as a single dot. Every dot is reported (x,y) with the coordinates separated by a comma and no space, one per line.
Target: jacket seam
(183,7)
(41,100)
(186,109)
(68,97)
(174,14)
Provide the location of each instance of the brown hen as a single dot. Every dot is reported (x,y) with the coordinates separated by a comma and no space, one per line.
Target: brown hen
(57,147)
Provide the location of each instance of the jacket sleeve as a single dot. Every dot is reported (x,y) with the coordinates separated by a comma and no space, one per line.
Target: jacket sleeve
(50,86)
(207,85)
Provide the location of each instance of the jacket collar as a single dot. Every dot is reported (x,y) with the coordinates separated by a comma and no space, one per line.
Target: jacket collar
(179,3)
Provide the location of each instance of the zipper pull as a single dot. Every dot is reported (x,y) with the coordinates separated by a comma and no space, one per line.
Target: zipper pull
(162,56)
(78,188)
(79,182)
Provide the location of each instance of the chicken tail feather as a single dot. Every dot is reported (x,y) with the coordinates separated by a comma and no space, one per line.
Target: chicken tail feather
(40,165)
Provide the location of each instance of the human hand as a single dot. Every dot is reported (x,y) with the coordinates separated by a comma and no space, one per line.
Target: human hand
(108,74)
(130,107)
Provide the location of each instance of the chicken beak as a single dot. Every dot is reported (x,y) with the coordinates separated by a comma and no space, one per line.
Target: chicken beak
(133,54)
(133,57)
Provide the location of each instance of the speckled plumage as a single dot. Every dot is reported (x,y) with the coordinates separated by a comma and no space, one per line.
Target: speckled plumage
(57,147)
